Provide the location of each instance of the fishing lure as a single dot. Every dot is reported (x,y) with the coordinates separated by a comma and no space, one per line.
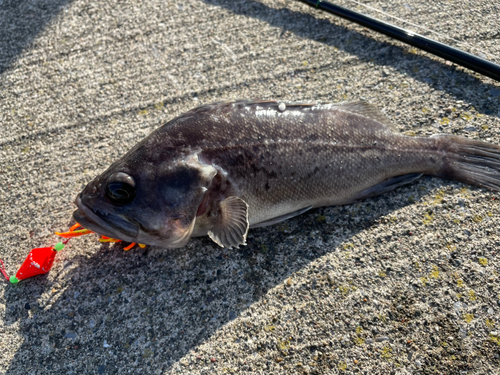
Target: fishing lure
(41,259)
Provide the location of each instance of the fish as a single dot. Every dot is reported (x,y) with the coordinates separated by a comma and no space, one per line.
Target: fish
(221,169)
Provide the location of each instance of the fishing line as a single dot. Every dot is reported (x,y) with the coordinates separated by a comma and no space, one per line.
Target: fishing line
(424,28)
(424,43)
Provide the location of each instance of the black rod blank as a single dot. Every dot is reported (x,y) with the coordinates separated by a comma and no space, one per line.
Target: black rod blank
(445,51)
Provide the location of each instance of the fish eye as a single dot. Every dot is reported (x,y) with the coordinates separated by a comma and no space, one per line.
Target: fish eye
(120,188)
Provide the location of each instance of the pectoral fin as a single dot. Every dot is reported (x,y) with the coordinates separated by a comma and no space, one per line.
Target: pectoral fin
(230,225)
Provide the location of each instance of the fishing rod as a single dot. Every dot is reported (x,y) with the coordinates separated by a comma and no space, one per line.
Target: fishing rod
(445,51)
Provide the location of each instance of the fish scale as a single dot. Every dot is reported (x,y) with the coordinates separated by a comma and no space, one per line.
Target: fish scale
(222,168)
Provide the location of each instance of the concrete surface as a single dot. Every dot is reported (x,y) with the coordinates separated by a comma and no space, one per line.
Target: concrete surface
(406,283)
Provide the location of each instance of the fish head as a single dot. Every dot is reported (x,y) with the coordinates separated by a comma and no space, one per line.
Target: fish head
(146,201)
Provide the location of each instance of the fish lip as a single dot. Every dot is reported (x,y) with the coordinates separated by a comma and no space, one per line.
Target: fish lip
(89,219)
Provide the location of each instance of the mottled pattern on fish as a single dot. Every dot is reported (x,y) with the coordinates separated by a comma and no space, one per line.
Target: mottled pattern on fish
(277,159)
(305,155)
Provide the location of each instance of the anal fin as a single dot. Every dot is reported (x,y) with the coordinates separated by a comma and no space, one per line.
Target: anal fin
(387,185)
(281,218)
(230,225)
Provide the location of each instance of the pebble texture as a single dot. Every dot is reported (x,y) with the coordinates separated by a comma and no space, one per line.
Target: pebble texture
(406,283)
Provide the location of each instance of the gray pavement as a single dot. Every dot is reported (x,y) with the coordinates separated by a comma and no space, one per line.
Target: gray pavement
(405,283)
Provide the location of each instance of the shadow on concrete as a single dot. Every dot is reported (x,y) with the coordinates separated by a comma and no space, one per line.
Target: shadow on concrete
(126,311)
(22,21)
(432,70)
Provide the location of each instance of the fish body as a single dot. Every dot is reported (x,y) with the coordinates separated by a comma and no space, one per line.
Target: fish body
(222,168)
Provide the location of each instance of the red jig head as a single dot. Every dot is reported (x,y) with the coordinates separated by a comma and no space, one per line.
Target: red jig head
(38,262)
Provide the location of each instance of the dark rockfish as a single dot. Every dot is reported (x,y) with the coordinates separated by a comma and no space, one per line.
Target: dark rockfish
(221,169)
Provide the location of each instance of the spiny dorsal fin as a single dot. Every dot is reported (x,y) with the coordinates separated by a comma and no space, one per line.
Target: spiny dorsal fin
(368,110)
(230,227)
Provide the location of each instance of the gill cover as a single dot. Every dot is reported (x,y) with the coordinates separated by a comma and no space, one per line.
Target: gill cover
(226,221)
(180,228)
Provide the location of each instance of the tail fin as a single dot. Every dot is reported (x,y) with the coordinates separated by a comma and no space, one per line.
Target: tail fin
(472,162)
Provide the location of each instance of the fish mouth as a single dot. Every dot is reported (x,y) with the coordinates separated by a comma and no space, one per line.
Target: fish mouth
(113,226)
